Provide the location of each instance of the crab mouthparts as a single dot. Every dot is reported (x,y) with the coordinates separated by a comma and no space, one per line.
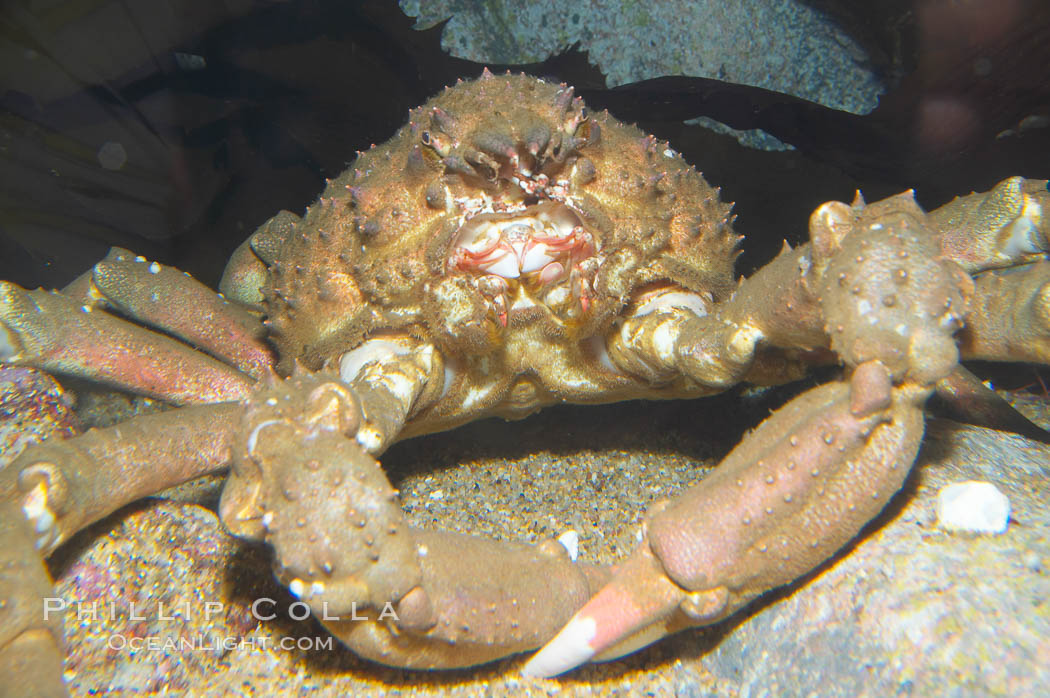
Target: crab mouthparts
(540,255)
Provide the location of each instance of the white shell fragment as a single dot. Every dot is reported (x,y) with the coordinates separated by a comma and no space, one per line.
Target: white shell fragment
(570,540)
(297,588)
(973,506)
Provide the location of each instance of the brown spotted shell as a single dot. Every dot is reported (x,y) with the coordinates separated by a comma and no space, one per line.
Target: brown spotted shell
(372,253)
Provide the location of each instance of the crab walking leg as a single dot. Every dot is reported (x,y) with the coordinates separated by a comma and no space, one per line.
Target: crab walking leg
(171,300)
(792,493)
(49,331)
(1009,316)
(1006,226)
(966,399)
(54,489)
(302,482)
(63,486)
(720,349)
(246,272)
(31,652)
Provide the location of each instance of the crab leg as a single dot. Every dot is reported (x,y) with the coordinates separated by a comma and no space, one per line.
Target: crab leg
(31,651)
(966,399)
(486,599)
(792,493)
(63,486)
(1004,227)
(1002,236)
(721,346)
(302,482)
(1010,316)
(246,273)
(54,489)
(173,301)
(49,331)
(394,377)
(745,338)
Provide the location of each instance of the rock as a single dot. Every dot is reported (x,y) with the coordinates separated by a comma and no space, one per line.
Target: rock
(33,407)
(570,540)
(973,506)
(781,45)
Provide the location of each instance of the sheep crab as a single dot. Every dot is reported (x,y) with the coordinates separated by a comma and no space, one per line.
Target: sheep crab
(507,250)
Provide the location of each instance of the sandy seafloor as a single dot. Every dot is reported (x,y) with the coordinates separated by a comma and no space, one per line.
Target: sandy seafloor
(909,610)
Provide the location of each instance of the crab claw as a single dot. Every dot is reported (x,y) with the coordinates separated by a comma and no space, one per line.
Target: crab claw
(791,494)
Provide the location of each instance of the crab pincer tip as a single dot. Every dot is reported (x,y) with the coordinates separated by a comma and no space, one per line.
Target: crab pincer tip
(625,614)
(570,648)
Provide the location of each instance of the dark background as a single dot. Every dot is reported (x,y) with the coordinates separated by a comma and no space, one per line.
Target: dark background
(229,112)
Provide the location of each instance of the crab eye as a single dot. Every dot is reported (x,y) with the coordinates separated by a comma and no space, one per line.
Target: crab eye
(584,113)
(425,137)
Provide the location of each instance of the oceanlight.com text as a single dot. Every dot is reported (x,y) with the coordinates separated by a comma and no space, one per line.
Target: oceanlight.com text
(135,644)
